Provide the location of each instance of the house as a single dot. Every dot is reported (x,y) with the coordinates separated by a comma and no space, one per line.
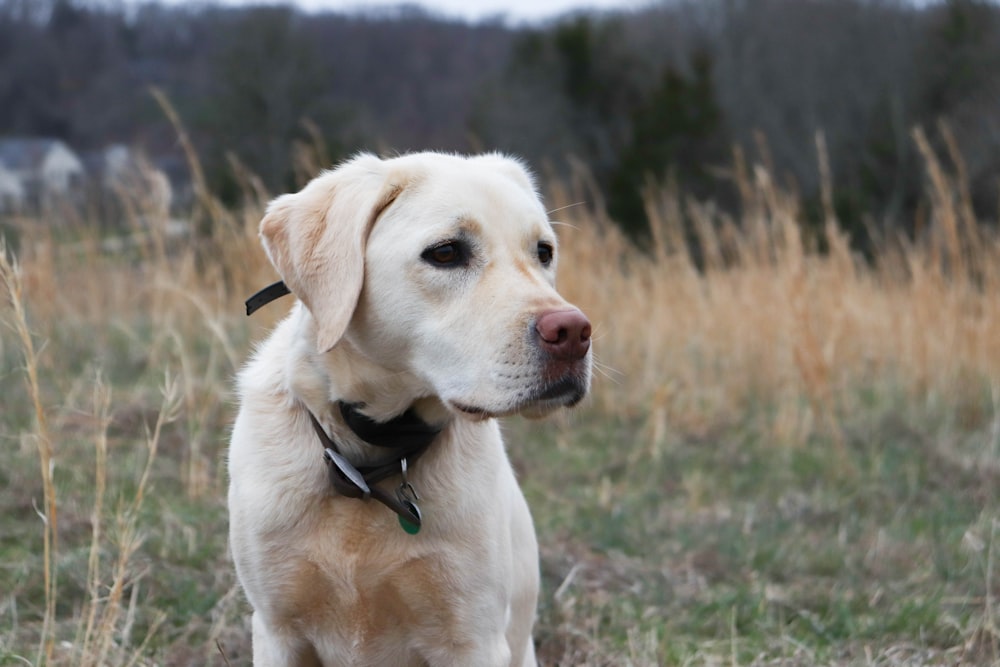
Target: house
(46,168)
(12,196)
(121,172)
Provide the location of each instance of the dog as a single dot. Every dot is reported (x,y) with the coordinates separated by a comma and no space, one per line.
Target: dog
(375,518)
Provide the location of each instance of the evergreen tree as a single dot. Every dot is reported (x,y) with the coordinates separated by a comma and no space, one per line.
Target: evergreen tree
(677,129)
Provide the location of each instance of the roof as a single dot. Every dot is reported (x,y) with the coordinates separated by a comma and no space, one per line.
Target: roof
(26,153)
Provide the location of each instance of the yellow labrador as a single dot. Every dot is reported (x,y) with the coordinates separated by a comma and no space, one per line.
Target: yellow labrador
(374,516)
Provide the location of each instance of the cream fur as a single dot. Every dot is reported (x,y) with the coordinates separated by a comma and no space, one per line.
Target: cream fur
(335,580)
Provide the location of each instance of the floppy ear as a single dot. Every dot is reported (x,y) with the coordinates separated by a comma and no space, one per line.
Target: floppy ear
(316,240)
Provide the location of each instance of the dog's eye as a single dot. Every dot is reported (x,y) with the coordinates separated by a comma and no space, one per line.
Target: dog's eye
(446,255)
(545,252)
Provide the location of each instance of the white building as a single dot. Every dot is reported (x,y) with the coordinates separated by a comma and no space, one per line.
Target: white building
(128,173)
(46,169)
(12,195)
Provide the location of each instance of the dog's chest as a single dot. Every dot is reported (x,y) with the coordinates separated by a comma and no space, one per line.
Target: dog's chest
(362,612)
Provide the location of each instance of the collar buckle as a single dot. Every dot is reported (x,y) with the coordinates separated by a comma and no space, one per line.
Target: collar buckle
(344,477)
(409,435)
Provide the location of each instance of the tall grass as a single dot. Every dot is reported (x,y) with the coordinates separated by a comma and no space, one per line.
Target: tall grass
(717,313)
(10,277)
(716,318)
(92,313)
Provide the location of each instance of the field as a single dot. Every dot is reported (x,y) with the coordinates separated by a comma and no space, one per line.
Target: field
(791,455)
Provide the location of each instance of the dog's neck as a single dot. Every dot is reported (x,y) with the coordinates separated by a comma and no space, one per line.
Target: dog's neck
(407,432)
(322,381)
(407,437)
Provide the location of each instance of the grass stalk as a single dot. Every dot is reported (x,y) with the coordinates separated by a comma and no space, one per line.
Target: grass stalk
(102,412)
(11,277)
(129,537)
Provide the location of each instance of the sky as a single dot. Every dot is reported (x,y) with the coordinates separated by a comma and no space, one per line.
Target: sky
(473,10)
(514,11)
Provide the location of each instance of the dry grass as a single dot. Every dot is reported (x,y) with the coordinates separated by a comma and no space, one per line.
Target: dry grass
(767,317)
(746,486)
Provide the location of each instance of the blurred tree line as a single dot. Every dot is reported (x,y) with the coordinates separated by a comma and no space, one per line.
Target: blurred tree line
(660,94)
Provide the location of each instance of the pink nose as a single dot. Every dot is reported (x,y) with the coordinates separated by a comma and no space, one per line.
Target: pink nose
(565,334)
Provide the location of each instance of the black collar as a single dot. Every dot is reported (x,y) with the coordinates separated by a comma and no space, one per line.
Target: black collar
(266,296)
(407,435)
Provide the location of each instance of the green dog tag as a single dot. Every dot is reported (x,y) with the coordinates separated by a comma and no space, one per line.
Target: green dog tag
(409,526)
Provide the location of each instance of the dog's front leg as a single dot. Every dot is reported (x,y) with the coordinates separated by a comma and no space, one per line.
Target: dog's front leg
(526,656)
(490,648)
(273,650)
(487,652)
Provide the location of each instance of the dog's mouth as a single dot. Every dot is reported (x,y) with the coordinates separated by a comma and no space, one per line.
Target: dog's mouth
(477,414)
(565,392)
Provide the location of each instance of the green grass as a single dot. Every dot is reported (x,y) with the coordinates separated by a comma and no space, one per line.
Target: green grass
(802,466)
(732,548)
(722,547)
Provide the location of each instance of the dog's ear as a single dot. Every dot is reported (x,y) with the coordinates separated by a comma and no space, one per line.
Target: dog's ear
(316,239)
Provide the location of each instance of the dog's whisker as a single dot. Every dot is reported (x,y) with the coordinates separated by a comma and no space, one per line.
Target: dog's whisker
(608,372)
(598,336)
(607,368)
(563,208)
(607,377)
(563,224)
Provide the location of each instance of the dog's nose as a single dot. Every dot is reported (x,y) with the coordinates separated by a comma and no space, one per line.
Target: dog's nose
(565,334)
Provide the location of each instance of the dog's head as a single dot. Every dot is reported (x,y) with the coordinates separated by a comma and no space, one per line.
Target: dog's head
(441,267)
